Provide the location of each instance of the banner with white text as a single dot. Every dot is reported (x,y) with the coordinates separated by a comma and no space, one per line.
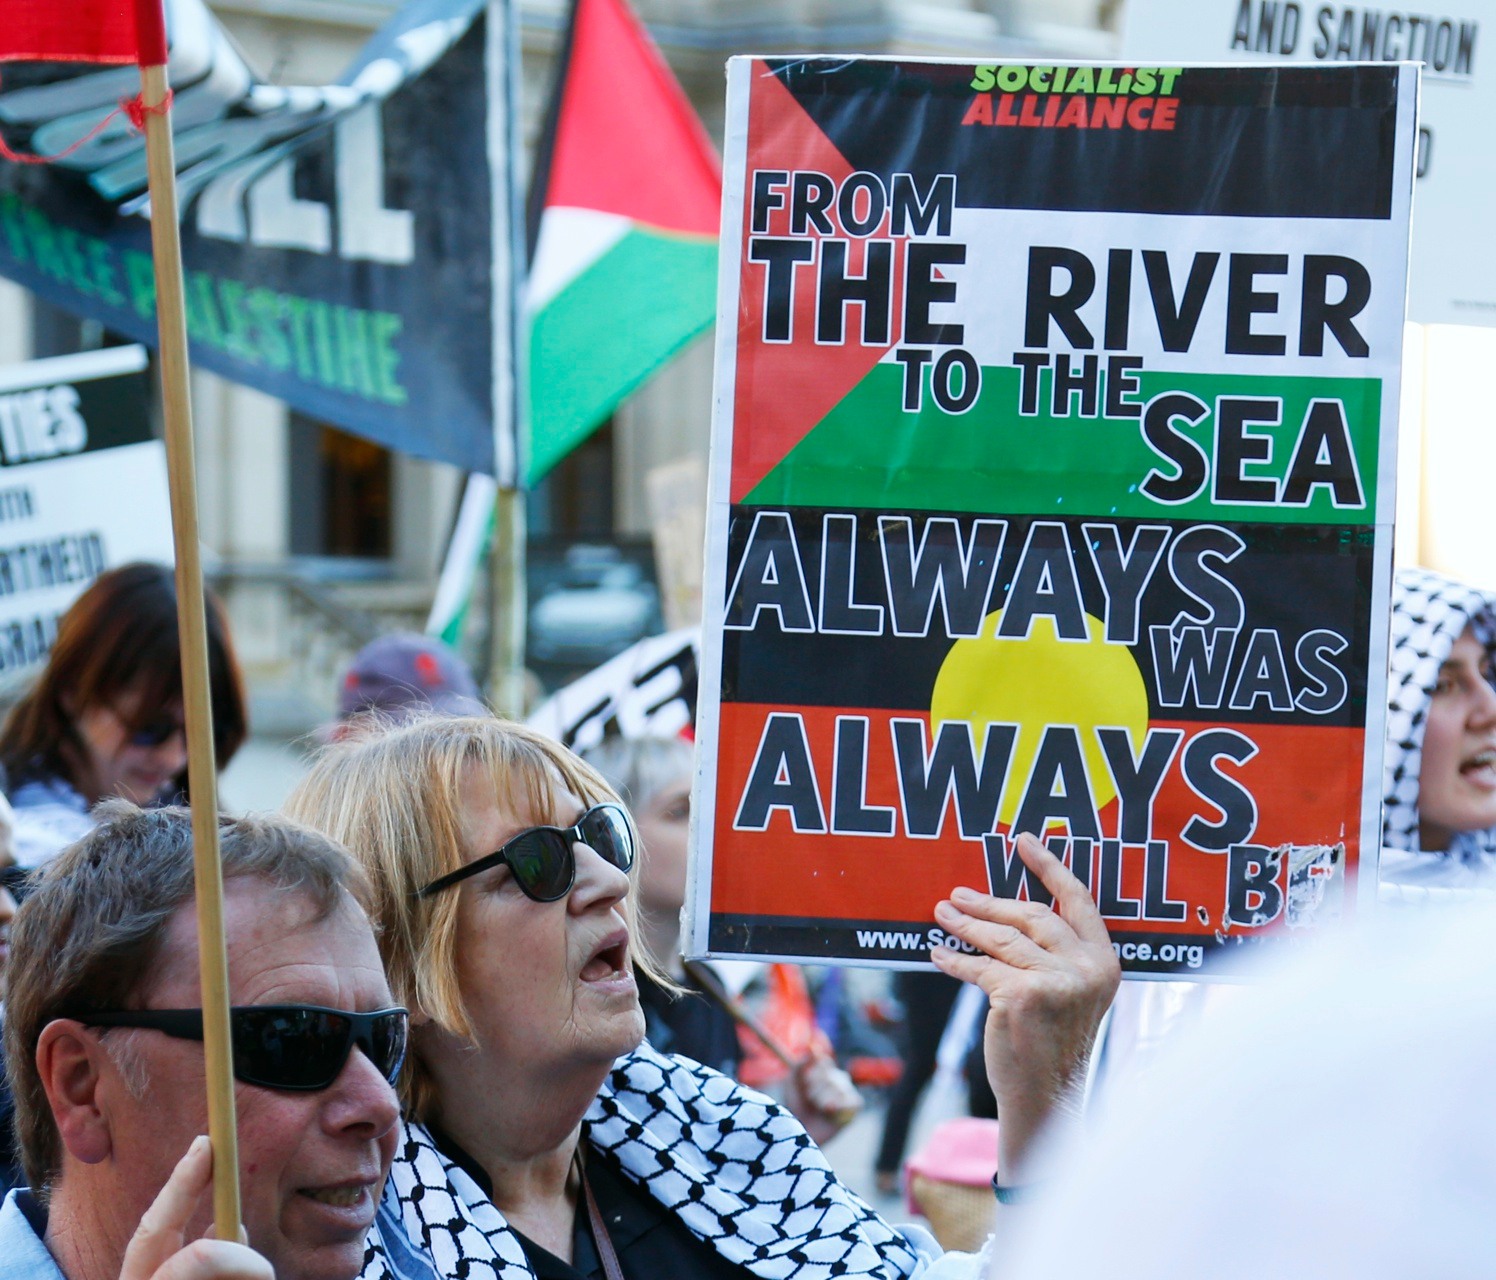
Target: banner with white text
(346,247)
(1051,491)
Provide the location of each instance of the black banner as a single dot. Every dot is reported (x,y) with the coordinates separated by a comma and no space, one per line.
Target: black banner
(337,242)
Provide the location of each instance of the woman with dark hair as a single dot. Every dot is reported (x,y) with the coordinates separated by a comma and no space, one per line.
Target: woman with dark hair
(105,717)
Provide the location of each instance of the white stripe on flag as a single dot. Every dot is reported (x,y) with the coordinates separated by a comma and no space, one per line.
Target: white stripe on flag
(571,240)
(470,538)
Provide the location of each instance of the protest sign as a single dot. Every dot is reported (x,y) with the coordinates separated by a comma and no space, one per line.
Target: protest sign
(648,690)
(82,489)
(1449,282)
(346,246)
(1051,491)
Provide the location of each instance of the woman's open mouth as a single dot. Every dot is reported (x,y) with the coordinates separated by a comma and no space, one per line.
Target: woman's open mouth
(610,961)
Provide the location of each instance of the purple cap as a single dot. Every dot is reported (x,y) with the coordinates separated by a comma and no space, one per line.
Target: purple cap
(404,672)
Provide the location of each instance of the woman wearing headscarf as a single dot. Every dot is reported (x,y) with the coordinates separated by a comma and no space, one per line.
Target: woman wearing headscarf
(543,1139)
(1438,789)
(1439,771)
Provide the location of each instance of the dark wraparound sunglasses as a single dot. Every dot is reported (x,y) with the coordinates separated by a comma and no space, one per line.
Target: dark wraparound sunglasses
(154,732)
(542,860)
(284,1046)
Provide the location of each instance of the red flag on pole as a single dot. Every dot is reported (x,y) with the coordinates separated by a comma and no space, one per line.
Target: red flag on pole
(85,31)
(82,31)
(135,31)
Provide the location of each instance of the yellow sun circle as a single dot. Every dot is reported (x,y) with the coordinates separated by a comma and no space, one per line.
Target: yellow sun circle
(1040,681)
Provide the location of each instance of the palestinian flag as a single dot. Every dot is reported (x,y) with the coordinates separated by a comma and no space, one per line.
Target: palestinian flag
(624,210)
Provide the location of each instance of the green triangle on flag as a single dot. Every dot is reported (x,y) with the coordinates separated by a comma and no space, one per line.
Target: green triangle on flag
(624,210)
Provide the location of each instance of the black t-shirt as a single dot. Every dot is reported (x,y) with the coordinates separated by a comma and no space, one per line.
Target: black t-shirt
(651,1242)
(692,1024)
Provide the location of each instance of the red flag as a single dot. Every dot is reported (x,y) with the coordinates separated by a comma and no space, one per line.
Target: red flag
(82,31)
(626,138)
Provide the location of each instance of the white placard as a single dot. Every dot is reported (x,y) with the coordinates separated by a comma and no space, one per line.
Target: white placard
(1452,276)
(82,489)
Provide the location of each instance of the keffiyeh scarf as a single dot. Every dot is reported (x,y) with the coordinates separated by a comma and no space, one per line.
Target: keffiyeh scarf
(1429,613)
(737,1169)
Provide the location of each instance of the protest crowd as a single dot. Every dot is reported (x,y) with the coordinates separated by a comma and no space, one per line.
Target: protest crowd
(480,873)
(1050,715)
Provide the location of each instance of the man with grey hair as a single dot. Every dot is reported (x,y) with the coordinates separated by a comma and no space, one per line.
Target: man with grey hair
(103,1035)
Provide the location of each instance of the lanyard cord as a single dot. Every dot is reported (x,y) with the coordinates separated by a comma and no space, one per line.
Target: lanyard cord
(600,1236)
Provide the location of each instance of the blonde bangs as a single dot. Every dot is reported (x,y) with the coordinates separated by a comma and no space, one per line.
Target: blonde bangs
(393,795)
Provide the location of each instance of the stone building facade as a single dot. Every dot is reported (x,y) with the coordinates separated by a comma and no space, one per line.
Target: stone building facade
(306,517)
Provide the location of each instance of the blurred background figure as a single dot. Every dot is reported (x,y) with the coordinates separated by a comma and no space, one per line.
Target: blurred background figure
(927,999)
(653,775)
(403,673)
(11,879)
(1439,772)
(105,716)
(1335,1125)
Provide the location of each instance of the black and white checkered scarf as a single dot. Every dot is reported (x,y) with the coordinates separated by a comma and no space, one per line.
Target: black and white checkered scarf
(738,1170)
(1429,613)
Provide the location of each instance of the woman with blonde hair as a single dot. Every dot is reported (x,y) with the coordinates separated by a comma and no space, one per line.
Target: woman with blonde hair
(543,1138)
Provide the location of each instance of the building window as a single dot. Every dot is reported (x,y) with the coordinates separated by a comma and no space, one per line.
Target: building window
(576,499)
(340,492)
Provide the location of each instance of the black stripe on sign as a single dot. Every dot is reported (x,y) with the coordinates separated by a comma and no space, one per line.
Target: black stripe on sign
(1265,142)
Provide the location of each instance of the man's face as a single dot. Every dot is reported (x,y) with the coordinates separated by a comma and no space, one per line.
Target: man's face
(311,1165)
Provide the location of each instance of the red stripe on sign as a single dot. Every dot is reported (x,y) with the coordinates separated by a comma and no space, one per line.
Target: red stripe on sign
(784,389)
(1305,782)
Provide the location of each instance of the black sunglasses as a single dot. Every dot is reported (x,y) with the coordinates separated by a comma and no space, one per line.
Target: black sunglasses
(154,732)
(542,860)
(284,1046)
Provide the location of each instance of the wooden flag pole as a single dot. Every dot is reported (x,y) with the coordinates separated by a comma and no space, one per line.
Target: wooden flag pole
(508,604)
(740,1013)
(192,625)
(508,608)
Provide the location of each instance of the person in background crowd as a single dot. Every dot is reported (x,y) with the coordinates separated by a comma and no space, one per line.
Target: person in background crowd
(927,999)
(10,880)
(401,674)
(105,717)
(1438,789)
(543,1139)
(653,777)
(103,1036)
(1439,771)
